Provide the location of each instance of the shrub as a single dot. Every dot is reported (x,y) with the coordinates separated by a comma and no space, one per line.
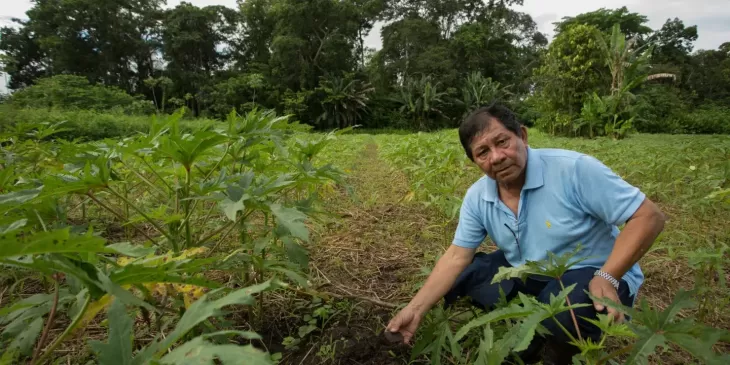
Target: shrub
(660,109)
(75,92)
(707,119)
(84,124)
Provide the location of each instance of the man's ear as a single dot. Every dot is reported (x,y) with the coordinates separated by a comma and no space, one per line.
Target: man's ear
(523,129)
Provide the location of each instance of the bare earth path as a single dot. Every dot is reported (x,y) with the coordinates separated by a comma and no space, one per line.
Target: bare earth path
(373,249)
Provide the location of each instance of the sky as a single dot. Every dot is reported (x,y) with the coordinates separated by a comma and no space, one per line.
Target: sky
(712,17)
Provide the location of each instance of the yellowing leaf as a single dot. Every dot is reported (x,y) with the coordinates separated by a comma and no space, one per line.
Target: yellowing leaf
(93,309)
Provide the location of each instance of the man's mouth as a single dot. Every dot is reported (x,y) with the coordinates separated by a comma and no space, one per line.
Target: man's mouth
(503,170)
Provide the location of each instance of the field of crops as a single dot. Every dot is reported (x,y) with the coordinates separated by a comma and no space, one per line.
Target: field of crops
(253,239)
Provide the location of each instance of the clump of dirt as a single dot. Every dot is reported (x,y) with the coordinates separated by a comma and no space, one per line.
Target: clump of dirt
(341,342)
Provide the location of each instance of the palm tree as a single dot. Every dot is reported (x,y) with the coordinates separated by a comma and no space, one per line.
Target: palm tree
(345,101)
(479,91)
(420,99)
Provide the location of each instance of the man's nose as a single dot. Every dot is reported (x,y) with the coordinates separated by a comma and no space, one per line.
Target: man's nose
(497,156)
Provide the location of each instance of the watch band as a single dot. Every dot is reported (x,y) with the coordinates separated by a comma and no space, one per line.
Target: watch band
(608,277)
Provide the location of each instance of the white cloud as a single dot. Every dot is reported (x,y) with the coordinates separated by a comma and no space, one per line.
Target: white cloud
(711,16)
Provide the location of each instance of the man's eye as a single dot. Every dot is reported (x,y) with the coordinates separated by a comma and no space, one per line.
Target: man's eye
(501,142)
(483,152)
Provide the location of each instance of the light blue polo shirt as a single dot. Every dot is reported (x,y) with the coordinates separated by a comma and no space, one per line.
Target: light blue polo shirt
(568,198)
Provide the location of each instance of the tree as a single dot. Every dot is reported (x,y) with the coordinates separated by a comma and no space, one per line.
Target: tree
(421,100)
(627,62)
(164,84)
(480,91)
(195,47)
(257,29)
(572,68)
(709,77)
(405,42)
(311,39)
(23,58)
(673,43)
(632,24)
(111,42)
(501,44)
(344,101)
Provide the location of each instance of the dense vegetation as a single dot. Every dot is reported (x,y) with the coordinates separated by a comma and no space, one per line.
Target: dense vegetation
(438,60)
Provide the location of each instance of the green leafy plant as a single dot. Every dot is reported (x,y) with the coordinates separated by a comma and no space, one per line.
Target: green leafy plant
(231,197)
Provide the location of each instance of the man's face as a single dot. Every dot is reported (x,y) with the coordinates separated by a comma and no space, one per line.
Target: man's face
(500,153)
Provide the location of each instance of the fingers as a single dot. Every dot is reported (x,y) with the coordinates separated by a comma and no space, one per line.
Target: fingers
(615,315)
(599,307)
(407,336)
(394,324)
(598,293)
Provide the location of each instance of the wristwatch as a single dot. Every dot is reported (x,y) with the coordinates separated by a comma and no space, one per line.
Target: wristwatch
(608,277)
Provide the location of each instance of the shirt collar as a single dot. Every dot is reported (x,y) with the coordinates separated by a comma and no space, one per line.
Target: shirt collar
(533,180)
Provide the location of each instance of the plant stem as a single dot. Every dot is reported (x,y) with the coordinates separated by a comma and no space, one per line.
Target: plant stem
(152,169)
(49,324)
(65,333)
(144,179)
(126,211)
(220,229)
(618,352)
(119,215)
(186,208)
(152,222)
(572,313)
(564,329)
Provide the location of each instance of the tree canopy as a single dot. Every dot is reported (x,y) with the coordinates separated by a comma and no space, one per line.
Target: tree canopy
(309,58)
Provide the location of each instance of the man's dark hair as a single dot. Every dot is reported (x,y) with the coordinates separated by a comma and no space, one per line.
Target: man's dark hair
(479,120)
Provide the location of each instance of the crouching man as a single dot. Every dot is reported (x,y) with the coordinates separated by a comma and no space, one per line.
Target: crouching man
(530,202)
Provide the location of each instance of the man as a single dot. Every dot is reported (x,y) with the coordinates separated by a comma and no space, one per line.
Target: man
(532,201)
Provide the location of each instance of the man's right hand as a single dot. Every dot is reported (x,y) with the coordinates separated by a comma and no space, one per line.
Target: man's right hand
(443,276)
(406,323)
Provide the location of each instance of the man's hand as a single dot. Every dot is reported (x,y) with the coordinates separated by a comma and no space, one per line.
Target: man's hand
(406,323)
(443,276)
(602,288)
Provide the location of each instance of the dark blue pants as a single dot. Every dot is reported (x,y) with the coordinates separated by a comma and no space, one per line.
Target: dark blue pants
(475,283)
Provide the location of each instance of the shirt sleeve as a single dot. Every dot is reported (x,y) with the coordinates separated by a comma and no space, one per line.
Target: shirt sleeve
(470,232)
(603,194)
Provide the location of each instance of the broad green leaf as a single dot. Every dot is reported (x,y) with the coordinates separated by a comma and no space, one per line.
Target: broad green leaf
(24,341)
(118,349)
(198,351)
(513,311)
(609,327)
(296,252)
(20,196)
(14,226)
(28,302)
(646,344)
(293,276)
(506,273)
(231,208)
(56,241)
(292,219)
(527,329)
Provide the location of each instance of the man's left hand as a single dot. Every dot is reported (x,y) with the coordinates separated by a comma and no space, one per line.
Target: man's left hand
(602,288)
